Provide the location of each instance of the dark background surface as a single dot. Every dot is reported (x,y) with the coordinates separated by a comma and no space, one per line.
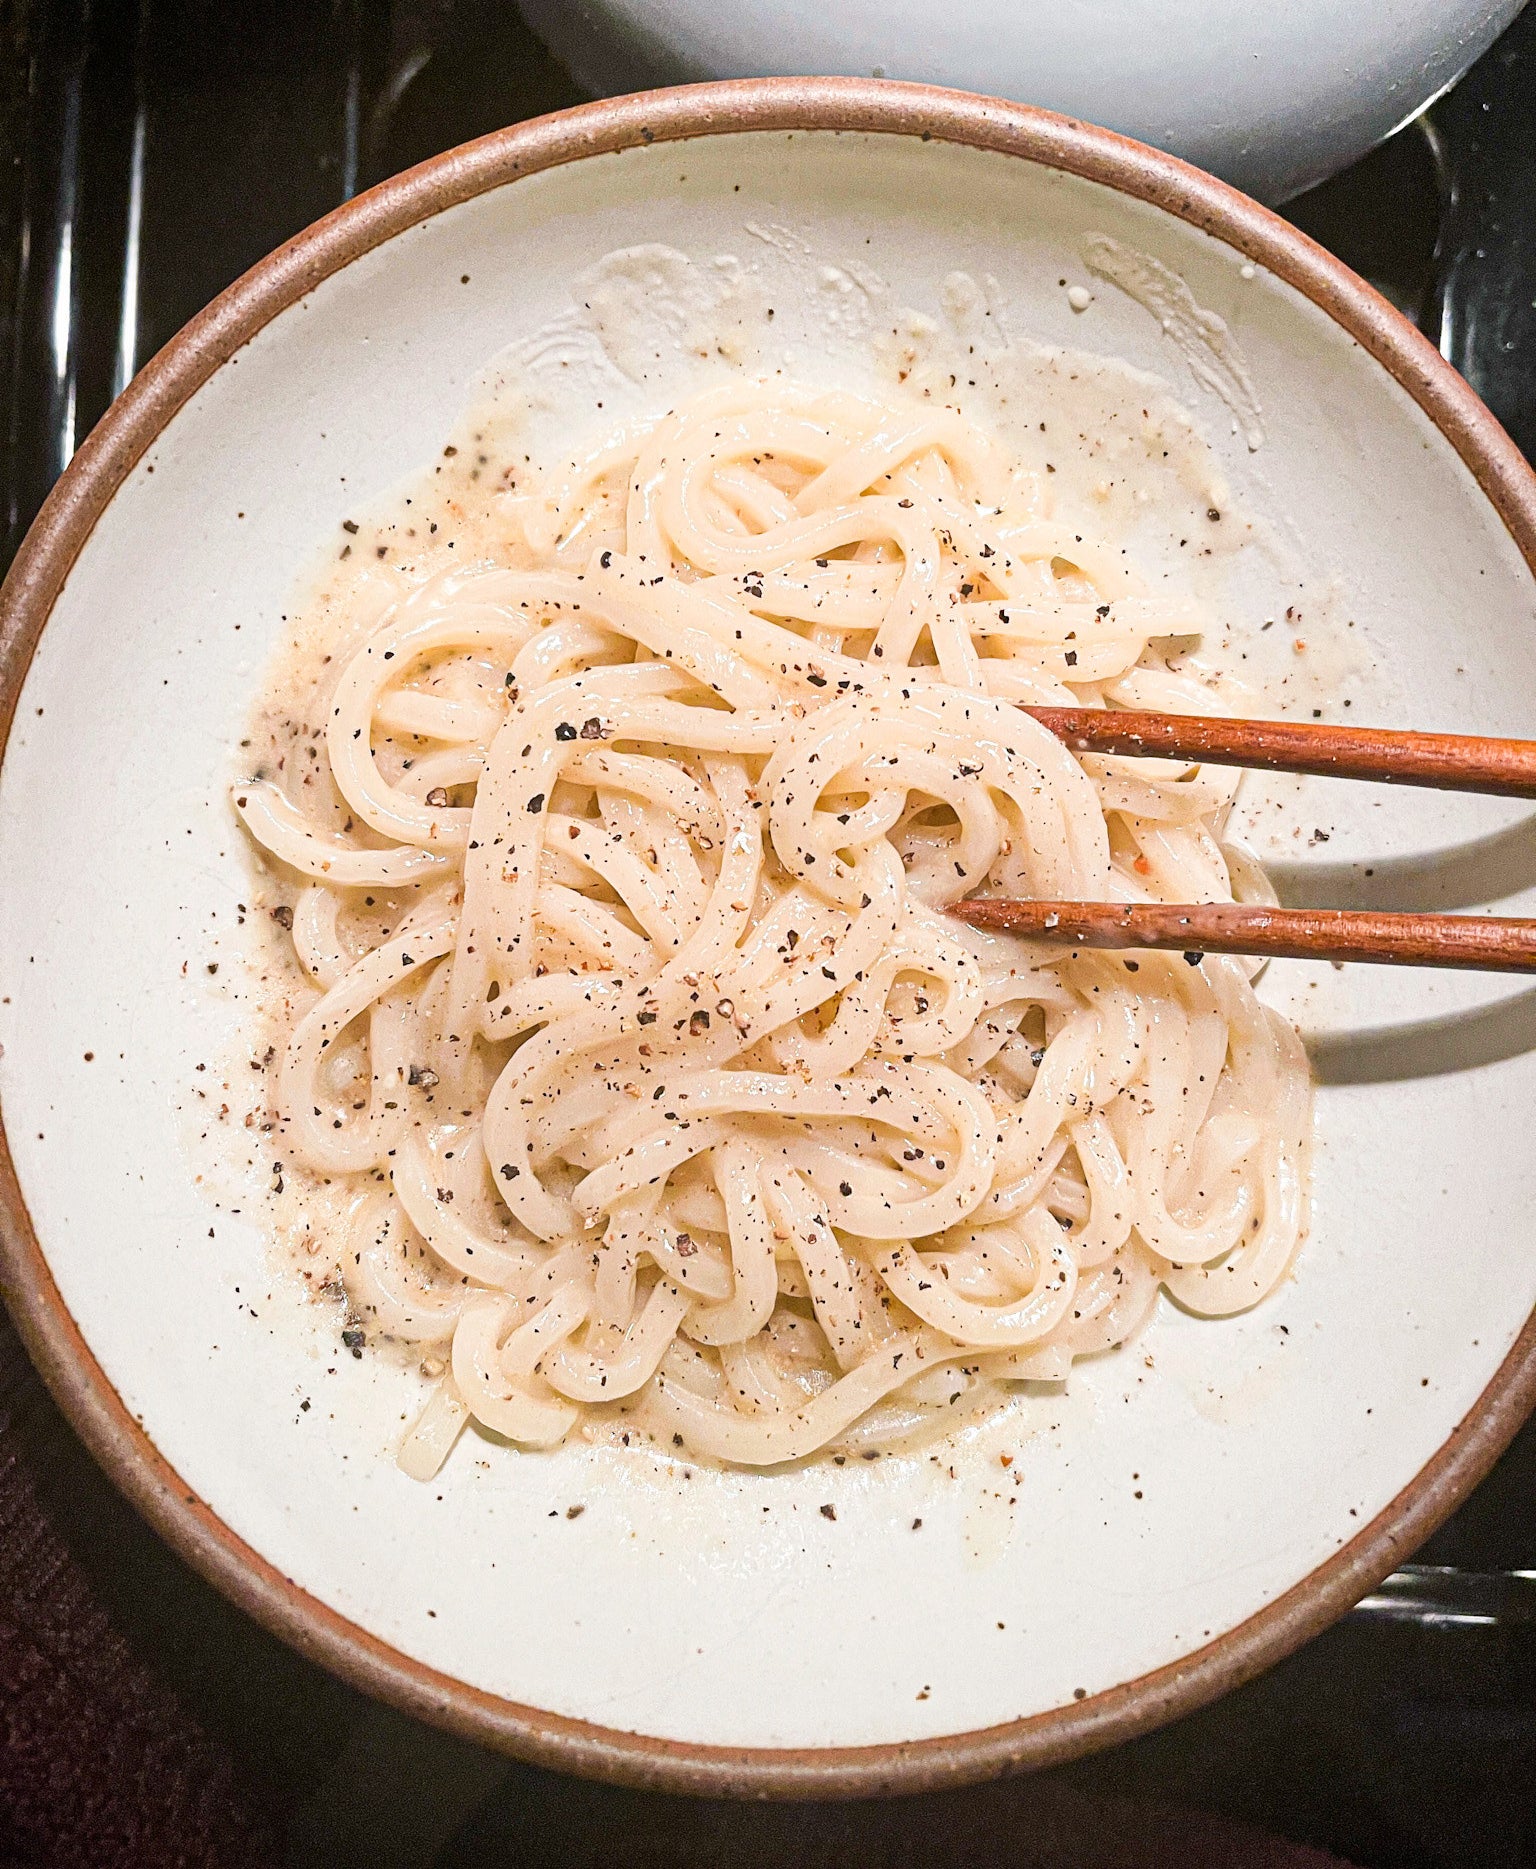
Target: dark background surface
(148,154)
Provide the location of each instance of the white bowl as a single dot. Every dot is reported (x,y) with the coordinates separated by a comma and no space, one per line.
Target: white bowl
(1198,1505)
(1270,98)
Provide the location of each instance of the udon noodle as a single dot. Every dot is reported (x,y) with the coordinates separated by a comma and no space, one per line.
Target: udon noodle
(642,1073)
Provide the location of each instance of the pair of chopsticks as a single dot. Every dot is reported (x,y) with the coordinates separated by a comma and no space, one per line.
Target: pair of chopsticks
(1442,761)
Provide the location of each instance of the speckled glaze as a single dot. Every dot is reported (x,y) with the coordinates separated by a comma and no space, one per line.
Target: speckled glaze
(1192,1509)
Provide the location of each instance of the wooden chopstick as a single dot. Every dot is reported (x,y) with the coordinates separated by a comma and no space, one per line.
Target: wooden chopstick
(1450,762)
(1490,943)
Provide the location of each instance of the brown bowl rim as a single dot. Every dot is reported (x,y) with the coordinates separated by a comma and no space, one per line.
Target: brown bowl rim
(132,425)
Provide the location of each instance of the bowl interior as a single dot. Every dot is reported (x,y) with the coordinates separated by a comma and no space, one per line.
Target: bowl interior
(1175,1489)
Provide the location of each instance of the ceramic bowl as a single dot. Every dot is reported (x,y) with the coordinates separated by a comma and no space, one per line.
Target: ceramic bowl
(1191,1509)
(1271,98)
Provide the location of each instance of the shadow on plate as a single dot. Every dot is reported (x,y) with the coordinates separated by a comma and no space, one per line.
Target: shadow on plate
(1463,876)
(1458,1041)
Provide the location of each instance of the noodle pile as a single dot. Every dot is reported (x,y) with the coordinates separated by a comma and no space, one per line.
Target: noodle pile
(643,1075)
